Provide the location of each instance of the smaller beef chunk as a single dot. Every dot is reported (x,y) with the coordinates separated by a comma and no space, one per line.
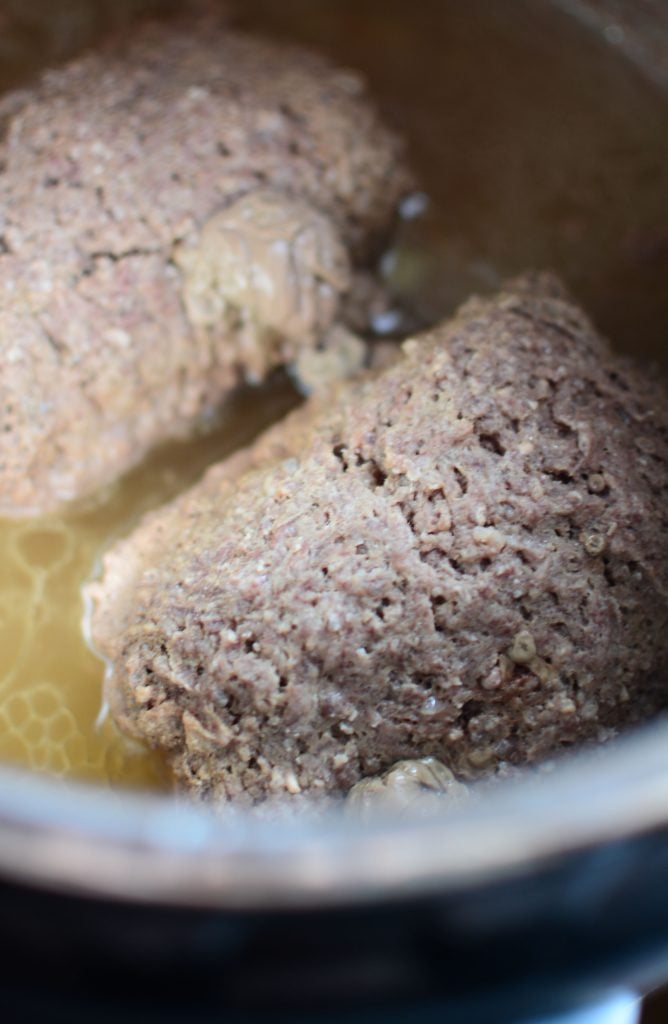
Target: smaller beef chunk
(462,557)
(184,209)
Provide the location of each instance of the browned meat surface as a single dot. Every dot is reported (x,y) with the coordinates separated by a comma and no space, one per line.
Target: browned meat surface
(177,212)
(463,557)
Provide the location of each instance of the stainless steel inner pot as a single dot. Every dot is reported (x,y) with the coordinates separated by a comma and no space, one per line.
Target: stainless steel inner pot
(155,850)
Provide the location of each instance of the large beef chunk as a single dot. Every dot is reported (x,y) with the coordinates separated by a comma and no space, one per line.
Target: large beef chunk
(464,556)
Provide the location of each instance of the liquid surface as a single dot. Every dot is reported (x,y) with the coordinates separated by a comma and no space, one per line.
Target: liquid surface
(50,681)
(538,147)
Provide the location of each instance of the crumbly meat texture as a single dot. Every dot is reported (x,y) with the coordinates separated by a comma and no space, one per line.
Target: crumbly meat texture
(464,556)
(138,185)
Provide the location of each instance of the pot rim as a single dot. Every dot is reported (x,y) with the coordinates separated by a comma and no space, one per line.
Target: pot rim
(154,848)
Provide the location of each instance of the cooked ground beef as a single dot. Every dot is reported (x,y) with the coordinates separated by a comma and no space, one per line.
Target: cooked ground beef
(463,556)
(177,212)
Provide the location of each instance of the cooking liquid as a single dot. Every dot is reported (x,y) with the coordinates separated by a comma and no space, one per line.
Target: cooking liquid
(537,146)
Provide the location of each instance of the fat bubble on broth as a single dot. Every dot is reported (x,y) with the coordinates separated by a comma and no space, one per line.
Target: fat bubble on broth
(49,682)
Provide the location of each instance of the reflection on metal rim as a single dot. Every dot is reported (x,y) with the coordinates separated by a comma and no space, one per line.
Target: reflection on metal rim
(638,31)
(155,849)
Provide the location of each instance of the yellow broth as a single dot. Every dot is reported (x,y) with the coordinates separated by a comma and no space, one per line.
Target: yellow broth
(51,714)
